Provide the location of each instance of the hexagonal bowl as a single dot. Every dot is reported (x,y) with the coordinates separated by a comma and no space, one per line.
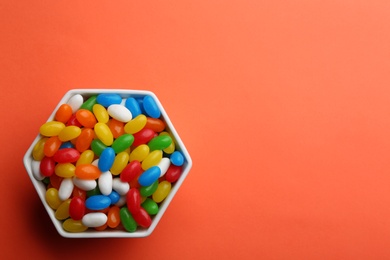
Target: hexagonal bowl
(115,233)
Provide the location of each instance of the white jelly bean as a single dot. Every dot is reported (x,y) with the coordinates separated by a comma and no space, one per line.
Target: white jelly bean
(120,113)
(84,184)
(164,165)
(119,186)
(75,102)
(66,189)
(35,168)
(105,183)
(94,219)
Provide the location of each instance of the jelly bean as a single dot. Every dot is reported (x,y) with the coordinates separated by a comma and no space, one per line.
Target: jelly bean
(51,128)
(65,170)
(116,127)
(95,219)
(97,147)
(120,162)
(107,99)
(86,157)
(73,226)
(177,158)
(139,153)
(66,145)
(93,192)
(149,176)
(69,133)
(77,192)
(47,166)
(97,202)
(76,208)
(173,173)
(51,146)
(73,121)
(155,124)
(151,108)
(102,227)
(66,155)
(122,143)
(100,113)
(132,105)
(84,184)
(164,165)
(133,199)
(106,159)
(160,142)
(152,159)
(38,150)
(113,217)
(120,113)
(142,218)
(55,181)
(162,191)
(147,191)
(150,206)
(103,132)
(46,181)
(64,113)
(66,189)
(86,118)
(114,197)
(134,183)
(136,124)
(52,198)
(143,136)
(121,202)
(35,168)
(131,171)
(62,211)
(87,172)
(105,183)
(75,102)
(119,186)
(89,103)
(84,140)
(171,148)
(127,220)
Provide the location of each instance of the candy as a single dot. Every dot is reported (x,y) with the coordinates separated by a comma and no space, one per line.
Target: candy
(132,105)
(127,220)
(95,219)
(65,189)
(87,172)
(103,132)
(160,142)
(149,176)
(62,211)
(162,191)
(105,183)
(150,206)
(75,102)
(151,107)
(177,158)
(120,113)
(122,143)
(76,208)
(64,113)
(97,202)
(107,99)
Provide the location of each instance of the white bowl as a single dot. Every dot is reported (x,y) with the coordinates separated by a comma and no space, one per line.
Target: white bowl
(91,233)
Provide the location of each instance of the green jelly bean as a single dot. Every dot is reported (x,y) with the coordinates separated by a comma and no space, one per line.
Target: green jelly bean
(97,147)
(93,192)
(46,181)
(146,191)
(150,206)
(122,143)
(88,104)
(127,220)
(160,142)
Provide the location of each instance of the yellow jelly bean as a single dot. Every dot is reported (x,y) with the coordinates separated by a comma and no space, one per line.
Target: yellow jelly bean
(63,210)
(162,191)
(65,170)
(120,162)
(69,133)
(51,128)
(73,226)
(100,113)
(52,198)
(86,157)
(38,151)
(152,159)
(104,134)
(171,148)
(139,153)
(136,124)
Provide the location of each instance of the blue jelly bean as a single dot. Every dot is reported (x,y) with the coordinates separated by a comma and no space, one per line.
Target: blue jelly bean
(149,176)
(151,107)
(106,159)
(132,105)
(177,158)
(97,202)
(107,99)
(140,102)
(66,145)
(114,197)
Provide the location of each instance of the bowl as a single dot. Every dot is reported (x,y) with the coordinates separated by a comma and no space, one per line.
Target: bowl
(120,232)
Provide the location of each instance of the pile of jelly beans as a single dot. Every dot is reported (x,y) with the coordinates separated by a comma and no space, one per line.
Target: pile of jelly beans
(107,162)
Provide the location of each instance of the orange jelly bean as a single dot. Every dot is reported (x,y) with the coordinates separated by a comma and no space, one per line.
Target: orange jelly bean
(117,128)
(114,218)
(86,118)
(155,124)
(84,140)
(64,113)
(51,146)
(87,172)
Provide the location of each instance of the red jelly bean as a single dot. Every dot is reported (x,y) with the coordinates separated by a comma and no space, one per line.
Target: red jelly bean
(173,173)
(47,166)
(73,121)
(76,208)
(55,181)
(143,136)
(66,155)
(133,200)
(131,171)
(142,218)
